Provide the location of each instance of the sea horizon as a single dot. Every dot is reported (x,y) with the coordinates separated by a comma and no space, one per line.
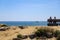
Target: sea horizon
(24,23)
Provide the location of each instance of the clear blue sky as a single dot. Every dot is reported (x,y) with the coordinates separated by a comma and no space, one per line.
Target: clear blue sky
(29,10)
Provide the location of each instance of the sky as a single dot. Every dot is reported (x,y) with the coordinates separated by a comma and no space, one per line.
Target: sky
(29,10)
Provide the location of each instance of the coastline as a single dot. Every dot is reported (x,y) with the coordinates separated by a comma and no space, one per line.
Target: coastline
(14,30)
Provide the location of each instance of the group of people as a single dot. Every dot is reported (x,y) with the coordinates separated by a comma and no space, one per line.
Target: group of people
(52,20)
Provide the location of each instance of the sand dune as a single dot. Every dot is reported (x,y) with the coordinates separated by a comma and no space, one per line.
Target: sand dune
(14,31)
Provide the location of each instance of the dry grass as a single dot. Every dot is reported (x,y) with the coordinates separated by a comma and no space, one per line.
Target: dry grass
(14,31)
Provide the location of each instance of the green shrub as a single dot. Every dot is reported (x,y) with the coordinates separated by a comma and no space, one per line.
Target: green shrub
(58,38)
(16,39)
(39,32)
(44,33)
(19,36)
(56,33)
(3,25)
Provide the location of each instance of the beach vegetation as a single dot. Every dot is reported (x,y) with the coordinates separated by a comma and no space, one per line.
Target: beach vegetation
(56,33)
(3,25)
(48,33)
(19,36)
(43,32)
(58,38)
(16,39)
(22,36)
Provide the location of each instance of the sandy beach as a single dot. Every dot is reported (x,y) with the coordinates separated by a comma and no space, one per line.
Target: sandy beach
(14,31)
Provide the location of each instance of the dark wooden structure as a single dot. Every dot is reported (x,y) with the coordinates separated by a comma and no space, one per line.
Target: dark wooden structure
(53,22)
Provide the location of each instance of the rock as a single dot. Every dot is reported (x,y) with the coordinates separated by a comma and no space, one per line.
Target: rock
(49,35)
(24,36)
(4,28)
(21,27)
(32,36)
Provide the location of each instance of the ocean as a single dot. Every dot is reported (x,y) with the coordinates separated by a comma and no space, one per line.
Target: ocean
(24,23)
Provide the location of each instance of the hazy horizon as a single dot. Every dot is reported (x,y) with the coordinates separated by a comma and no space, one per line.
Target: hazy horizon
(29,10)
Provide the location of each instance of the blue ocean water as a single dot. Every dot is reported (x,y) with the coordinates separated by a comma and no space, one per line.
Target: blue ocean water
(24,23)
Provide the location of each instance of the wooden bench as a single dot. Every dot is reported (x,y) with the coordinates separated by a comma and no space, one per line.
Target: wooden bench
(53,22)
